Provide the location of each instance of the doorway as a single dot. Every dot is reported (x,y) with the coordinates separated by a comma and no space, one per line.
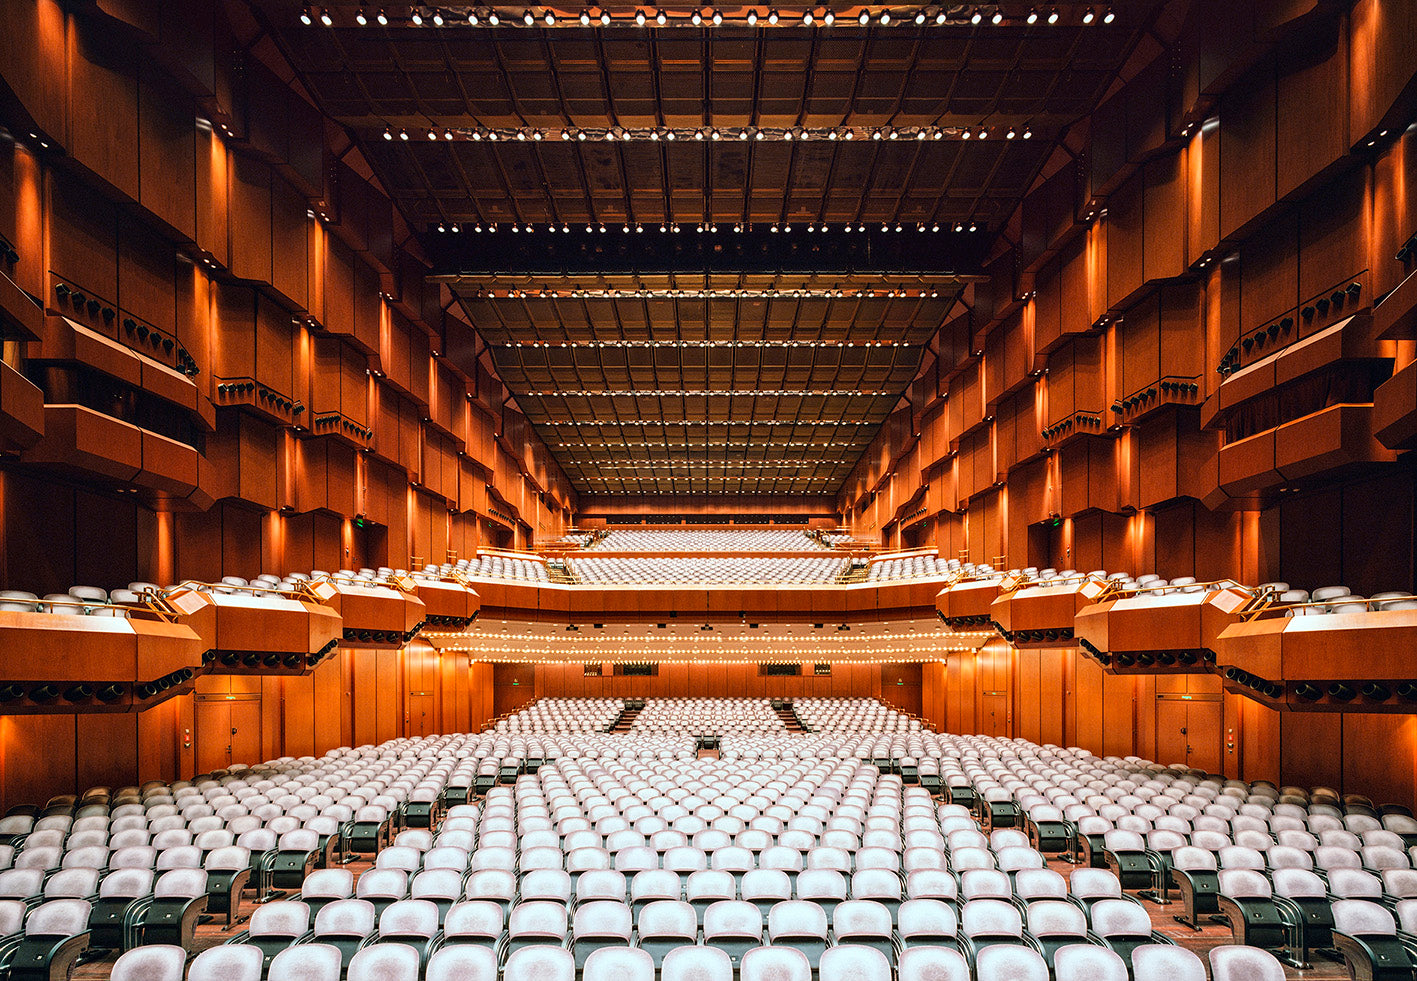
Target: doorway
(228,730)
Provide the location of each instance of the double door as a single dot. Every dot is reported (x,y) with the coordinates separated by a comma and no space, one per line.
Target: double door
(228,730)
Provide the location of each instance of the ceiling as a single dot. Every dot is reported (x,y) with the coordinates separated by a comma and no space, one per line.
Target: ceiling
(703,374)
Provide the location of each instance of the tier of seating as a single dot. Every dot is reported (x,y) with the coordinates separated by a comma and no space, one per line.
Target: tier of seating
(920,566)
(495,566)
(766,571)
(699,716)
(808,865)
(705,540)
(564,715)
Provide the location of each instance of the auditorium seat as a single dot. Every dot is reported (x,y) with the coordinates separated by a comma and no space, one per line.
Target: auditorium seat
(462,963)
(157,962)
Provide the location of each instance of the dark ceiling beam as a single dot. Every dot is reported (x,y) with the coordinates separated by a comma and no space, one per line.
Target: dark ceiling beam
(871,252)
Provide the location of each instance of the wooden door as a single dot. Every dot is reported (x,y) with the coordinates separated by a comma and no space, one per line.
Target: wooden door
(212,742)
(994,706)
(1172,729)
(228,731)
(419,719)
(1205,725)
(246,730)
(1190,729)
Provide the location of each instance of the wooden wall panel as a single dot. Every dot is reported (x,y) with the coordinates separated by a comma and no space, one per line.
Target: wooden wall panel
(1312,109)
(1334,228)
(167,154)
(1248,165)
(1126,241)
(103,105)
(1163,252)
(1384,47)
(250,219)
(1270,271)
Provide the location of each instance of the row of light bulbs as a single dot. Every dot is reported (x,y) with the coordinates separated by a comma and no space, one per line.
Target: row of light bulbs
(910,657)
(745,393)
(705,343)
(726,444)
(712,134)
(761,423)
(920,227)
(517,293)
(420,16)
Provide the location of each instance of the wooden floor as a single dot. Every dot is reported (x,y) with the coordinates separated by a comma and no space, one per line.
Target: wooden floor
(1211,935)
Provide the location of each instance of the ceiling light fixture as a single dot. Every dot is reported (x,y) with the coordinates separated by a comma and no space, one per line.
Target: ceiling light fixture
(437,18)
(717,18)
(1110,16)
(1032,15)
(1053,16)
(305,17)
(640,18)
(977,17)
(1089,15)
(752,18)
(863,18)
(416,17)
(360,19)
(528,18)
(829,18)
(998,17)
(585,18)
(604,17)
(661,18)
(885,17)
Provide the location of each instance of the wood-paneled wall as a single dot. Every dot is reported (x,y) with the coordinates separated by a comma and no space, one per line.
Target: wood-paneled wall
(1054,428)
(312,358)
(358,697)
(1059,696)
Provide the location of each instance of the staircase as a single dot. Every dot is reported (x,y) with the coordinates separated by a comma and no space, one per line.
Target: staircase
(560,572)
(627,716)
(853,573)
(789,718)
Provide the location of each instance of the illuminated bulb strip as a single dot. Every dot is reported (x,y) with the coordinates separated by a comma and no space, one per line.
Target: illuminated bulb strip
(699,447)
(702,343)
(619,134)
(803,225)
(709,392)
(677,467)
(703,18)
(644,294)
(715,134)
(764,423)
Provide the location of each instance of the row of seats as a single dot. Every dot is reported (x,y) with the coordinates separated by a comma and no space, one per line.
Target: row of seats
(563,715)
(920,566)
(836,850)
(718,716)
(708,570)
(705,540)
(393,961)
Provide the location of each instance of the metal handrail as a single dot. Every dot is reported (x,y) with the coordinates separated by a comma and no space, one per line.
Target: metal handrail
(148,606)
(301,590)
